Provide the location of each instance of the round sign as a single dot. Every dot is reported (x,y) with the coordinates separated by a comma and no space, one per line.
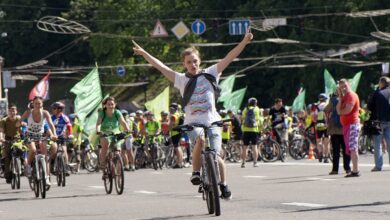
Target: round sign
(120,70)
(198,27)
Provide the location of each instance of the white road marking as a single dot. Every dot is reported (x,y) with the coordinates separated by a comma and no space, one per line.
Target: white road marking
(320,179)
(144,192)
(311,205)
(156,172)
(198,196)
(254,177)
(96,187)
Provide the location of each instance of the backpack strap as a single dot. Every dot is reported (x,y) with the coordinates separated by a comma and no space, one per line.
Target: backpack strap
(190,86)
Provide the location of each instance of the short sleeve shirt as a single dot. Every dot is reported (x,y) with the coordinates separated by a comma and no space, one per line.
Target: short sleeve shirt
(11,128)
(353,116)
(201,107)
(110,124)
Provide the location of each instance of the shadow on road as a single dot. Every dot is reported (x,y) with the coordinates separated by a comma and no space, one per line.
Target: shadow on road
(177,217)
(345,206)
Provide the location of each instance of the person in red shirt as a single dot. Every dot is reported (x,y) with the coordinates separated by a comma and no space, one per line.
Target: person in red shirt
(348,109)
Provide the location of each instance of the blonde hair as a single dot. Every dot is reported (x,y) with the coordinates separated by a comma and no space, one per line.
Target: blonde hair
(189,51)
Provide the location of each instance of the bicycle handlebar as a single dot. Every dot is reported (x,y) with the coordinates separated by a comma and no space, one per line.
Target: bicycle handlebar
(190,127)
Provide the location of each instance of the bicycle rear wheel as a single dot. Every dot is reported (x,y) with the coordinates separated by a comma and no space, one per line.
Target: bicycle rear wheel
(119,174)
(108,179)
(90,161)
(296,149)
(12,169)
(213,200)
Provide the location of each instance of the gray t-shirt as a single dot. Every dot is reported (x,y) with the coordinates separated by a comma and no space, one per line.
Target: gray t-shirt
(201,107)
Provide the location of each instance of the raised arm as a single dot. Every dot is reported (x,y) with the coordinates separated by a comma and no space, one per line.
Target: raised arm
(221,66)
(166,71)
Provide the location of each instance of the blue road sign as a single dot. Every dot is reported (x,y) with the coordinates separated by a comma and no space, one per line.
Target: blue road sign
(198,27)
(120,70)
(238,27)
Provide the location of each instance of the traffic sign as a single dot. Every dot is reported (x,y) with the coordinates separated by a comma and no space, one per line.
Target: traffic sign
(198,27)
(159,30)
(120,70)
(239,27)
(180,30)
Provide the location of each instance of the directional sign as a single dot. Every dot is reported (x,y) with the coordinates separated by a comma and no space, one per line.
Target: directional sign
(180,30)
(198,27)
(159,30)
(239,27)
(120,70)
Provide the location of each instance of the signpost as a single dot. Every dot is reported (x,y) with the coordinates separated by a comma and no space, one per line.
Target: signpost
(239,27)
(198,27)
(120,70)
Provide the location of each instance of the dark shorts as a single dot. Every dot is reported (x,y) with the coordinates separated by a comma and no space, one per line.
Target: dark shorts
(175,140)
(250,138)
(237,136)
(225,141)
(322,134)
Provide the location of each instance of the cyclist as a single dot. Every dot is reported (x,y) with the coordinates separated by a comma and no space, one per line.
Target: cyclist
(174,120)
(9,132)
(63,129)
(279,121)
(127,153)
(36,118)
(77,129)
(199,90)
(108,122)
(250,127)
(320,121)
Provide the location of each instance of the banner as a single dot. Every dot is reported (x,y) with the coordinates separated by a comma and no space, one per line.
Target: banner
(299,102)
(159,103)
(41,89)
(233,102)
(354,82)
(226,87)
(88,94)
(330,84)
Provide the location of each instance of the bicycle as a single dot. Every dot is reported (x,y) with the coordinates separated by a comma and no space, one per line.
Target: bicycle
(37,180)
(59,162)
(210,170)
(18,150)
(155,151)
(269,149)
(88,160)
(114,170)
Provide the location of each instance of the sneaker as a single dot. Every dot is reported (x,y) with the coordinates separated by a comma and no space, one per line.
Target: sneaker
(243,165)
(186,165)
(225,192)
(28,171)
(376,169)
(255,164)
(8,180)
(333,172)
(47,178)
(326,160)
(353,174)
(320,159)
(195,178)
(132,168)
(177,166)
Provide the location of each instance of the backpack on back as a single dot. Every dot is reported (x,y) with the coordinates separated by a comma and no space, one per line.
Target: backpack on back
(250,118)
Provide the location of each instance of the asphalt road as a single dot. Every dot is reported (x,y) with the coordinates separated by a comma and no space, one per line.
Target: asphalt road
(291,190)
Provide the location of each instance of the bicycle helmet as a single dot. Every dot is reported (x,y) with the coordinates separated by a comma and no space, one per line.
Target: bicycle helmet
(164,113)
(139,112)
(252,100)
(124,112)
(323,96)
(58,105)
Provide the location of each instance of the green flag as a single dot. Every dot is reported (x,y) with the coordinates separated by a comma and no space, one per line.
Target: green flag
(330,84)
(354,82)
(299,102)
(159,103)
(226,88)
(233,102)
(88,94)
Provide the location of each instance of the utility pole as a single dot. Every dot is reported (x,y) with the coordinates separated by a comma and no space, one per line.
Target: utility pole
(1,76)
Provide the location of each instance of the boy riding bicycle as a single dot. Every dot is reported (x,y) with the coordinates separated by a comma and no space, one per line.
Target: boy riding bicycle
(199,90)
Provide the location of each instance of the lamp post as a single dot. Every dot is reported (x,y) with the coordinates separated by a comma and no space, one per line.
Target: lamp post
(1,76)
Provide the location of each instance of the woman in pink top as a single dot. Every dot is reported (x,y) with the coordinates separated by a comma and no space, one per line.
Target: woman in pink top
(348,109)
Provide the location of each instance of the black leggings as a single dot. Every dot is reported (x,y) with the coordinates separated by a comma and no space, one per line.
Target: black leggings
(337,143)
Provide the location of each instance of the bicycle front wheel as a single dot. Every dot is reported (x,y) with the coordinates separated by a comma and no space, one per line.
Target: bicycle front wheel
(269,150)
(42,179)
(108,179)
(119,174)
(13,172)
(213,200)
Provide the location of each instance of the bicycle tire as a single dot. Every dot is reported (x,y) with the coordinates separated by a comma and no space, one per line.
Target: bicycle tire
(42,181)
(296,149)
(269,150)
(58,170)
(12,169)
(211,172)
(119,174)
(36,186)
(18,172)
(63,173)
(90,162)
(108,179)
(154,157)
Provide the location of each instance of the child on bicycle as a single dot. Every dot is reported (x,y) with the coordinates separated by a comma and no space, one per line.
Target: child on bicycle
(199,90)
